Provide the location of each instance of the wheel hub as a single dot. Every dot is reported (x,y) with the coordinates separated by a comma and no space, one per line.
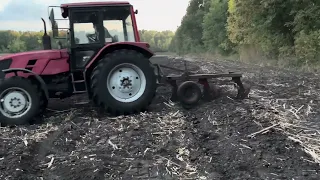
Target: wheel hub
(126,82)
(14,102)
(189,92)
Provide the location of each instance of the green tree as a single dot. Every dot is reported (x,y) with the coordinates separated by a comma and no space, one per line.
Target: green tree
(17,45)
(159,41)
(215,36)
(266,24)
(189,34)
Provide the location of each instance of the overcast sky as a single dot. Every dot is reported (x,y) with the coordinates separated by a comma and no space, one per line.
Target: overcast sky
(153,14)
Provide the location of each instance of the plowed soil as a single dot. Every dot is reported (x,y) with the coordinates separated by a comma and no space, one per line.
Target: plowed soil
(221,139)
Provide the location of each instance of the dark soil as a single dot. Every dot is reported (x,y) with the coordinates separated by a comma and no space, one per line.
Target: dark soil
(209,141)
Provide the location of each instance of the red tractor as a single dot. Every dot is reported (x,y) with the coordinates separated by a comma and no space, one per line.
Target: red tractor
(112,67)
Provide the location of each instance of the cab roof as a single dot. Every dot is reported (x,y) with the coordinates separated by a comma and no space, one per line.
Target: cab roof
(88,4)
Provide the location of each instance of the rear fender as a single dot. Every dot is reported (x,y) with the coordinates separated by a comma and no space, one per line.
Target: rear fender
(38,78)
(137,46)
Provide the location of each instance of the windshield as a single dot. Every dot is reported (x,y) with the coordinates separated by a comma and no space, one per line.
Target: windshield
(117,26)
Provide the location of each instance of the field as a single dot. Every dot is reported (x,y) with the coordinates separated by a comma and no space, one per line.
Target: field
(274,134)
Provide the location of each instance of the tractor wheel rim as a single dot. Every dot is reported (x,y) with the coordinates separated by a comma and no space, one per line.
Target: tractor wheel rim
(15,102)
(126,82)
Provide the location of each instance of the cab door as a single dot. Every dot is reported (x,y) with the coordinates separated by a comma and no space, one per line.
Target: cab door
(82,31)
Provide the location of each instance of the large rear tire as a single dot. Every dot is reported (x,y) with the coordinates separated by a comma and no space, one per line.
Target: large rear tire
(19,101)
(123,82)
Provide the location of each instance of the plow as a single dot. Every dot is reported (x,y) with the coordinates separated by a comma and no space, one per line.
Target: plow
(112,67)
(186,86)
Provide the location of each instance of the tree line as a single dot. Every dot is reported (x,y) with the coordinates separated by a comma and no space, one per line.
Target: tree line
(275,29)
(18,41)
(271,29)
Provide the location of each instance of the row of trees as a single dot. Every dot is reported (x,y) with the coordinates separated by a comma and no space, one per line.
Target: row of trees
(14,41)
(274,29)
(277,29)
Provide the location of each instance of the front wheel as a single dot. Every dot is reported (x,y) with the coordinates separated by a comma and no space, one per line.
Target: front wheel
(123,82)
(19,101)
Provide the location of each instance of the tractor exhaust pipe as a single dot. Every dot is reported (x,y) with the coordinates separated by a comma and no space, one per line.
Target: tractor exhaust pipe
(46,40)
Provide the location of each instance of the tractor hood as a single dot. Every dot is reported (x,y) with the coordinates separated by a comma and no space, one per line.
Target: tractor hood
(41,54)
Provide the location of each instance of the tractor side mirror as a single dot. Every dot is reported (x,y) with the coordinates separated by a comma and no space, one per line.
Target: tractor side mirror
(136,11)
(54,25)
(55,31)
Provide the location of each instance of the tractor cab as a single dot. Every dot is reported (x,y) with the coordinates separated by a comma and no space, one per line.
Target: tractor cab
(92,26)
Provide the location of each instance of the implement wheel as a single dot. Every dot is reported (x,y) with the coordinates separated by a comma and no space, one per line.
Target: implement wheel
(189,93)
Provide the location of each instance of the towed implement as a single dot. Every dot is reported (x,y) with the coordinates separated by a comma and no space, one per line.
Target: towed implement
(188,91)
(103,58)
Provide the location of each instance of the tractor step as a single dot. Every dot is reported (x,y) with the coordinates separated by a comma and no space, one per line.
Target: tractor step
(79,92)
(78,82)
